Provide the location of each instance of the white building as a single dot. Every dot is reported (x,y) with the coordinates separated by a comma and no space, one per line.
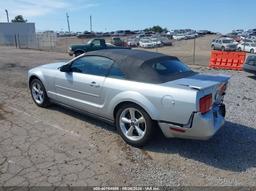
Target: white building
(18,34)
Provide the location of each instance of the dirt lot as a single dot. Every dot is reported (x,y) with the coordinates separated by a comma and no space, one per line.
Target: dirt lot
(57,146)
(183,49)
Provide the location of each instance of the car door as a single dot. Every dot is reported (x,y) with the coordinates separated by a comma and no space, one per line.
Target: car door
(81,87)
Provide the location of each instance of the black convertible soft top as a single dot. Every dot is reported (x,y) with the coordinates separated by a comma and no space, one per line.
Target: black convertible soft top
(133,58)
(136,64)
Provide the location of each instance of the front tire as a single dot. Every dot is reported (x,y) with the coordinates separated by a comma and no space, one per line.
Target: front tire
(223,48)
(134,125)
(38,93)
(251,51)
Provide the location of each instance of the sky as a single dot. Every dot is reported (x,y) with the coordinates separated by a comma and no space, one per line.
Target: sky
(110,15)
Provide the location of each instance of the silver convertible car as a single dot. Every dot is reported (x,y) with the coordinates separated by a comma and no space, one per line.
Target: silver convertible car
(138,91)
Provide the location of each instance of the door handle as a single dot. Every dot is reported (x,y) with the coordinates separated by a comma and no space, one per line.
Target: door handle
(94,84)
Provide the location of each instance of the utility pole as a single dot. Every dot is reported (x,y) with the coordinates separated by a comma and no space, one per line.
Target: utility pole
(91,23)
(68,22)
(194,52)
(7,15)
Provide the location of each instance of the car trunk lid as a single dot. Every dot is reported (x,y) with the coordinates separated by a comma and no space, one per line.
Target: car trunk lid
(203,81)
(205,85)
(199,81)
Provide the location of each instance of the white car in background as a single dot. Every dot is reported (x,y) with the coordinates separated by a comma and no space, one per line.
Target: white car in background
(179,36)
(247,47)
(157,41)
(191,35)
(132,42)
(147,43)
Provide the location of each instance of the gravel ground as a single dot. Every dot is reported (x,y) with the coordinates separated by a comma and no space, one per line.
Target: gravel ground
(57,146)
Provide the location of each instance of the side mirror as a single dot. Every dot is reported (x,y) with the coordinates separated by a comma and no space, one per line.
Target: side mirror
(65,68)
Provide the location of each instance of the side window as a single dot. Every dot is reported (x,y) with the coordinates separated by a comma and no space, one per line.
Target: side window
(115,72)
(159,67)
(96,65)
(96,43)
(78,65)
(170,67)
(93,65)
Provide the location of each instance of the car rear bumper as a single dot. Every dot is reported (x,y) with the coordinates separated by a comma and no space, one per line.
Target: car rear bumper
(202,127)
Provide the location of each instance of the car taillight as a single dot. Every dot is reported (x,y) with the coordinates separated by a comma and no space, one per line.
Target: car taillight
(205,104)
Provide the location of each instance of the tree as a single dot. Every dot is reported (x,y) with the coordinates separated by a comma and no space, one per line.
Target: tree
(156,29)
(19,19)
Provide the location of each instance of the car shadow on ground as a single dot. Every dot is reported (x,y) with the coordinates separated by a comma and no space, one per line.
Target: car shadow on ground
(84,117)
(232,148)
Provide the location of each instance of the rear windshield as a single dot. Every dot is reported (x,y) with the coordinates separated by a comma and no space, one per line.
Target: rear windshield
(170,67)
(163,70)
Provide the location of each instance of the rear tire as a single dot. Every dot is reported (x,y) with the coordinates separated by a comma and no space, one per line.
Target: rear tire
(213,47)
(134,125)
(222,48)
(251,51)
(239,49)
(38,93)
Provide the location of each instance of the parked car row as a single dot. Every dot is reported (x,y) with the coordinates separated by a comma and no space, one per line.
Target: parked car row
(229,44)
(242,36)
(144,41)
(185,34)
(118,33)
(155,41)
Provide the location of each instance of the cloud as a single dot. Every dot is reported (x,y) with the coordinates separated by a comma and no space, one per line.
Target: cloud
(34,8)
(84,5)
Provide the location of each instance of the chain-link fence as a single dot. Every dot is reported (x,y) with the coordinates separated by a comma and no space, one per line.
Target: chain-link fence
(19,41)
(42,41)
(192,51)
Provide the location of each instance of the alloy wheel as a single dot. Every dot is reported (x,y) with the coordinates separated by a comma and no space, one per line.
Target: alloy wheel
(37,92)
(133,124)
